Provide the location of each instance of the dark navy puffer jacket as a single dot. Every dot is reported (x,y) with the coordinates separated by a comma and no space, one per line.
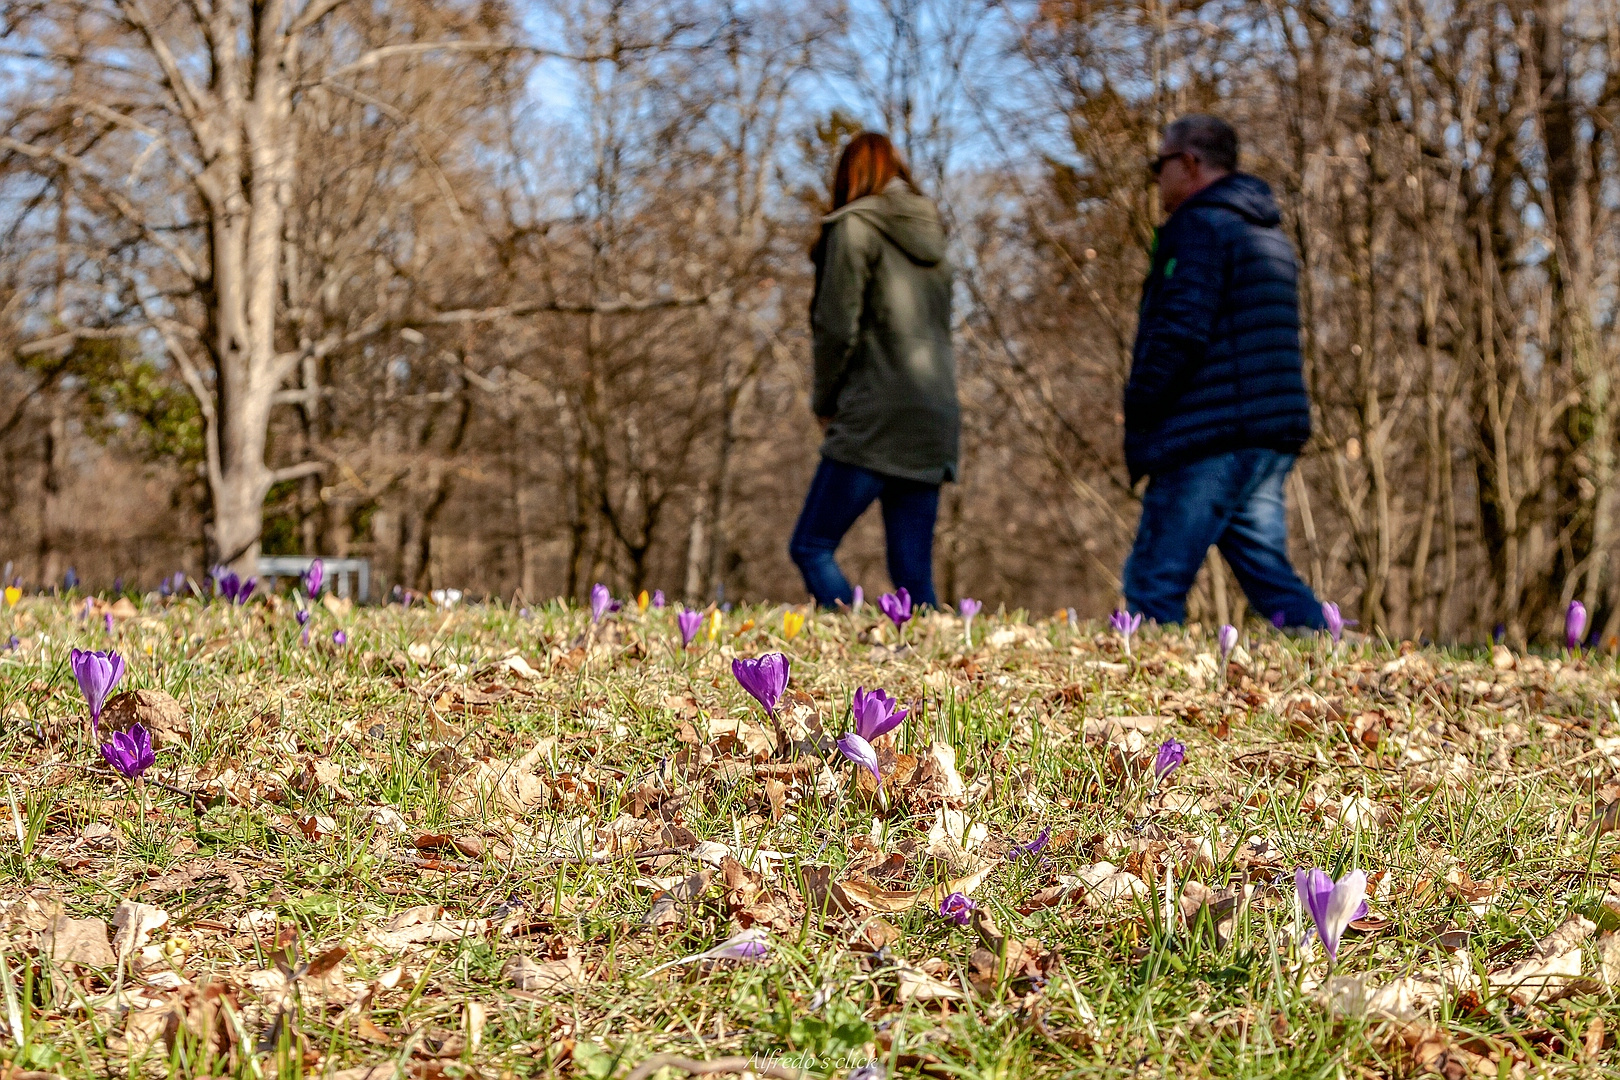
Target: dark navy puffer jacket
(1217,364)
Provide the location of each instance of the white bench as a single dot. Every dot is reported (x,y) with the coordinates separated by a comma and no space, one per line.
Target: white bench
(338,572)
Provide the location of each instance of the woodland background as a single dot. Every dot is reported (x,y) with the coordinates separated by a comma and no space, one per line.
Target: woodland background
(511,297)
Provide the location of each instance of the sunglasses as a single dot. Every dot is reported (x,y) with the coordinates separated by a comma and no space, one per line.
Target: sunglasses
(1156,166)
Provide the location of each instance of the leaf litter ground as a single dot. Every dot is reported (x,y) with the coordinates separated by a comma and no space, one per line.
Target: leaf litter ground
(482,842)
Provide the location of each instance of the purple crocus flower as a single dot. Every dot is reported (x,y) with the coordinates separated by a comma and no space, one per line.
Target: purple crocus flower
(858,750)
(1331,904)
(875,713)
(70,580)
(129,752)
(1334,620)
(1226,640)
(302,616)
(1125,624)
(690,621)
(751,944)
(1279,619)
(107,621)
(764,677)
(857,599)
(1171,754)
(12,643)
(118,585)
(1033,848)
(246,590)
(179,582)
(98,673)
(740,950)
(897,606)
(314,577)
(658,600)
(1574,624)
(958,908)
(968,608)
(601,601)
(340,638)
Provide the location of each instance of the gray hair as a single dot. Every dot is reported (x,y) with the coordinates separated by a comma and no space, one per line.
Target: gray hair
(1208,138)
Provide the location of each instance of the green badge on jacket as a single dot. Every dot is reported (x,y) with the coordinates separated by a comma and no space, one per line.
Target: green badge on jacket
(1170,267)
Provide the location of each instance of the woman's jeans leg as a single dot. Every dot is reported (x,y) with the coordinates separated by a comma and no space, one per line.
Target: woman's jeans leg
(910,509)
(838,496)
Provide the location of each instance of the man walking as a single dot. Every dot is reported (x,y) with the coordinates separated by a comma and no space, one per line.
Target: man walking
(1215,411)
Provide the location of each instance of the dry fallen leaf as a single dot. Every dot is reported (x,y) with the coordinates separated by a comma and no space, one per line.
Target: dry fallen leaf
(915,984)
(425,923)
(893,901)
(135,923)
(78,941)
(160,714)
(1552,970)
(522,973)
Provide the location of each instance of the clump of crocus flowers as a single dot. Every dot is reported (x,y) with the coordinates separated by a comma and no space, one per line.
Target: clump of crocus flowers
(875,714)
(231,588)
(314,578)
(1125,625)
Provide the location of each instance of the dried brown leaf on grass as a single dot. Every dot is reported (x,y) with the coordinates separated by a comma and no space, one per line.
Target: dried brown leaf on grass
(161,715)
(422,924)
(78,941)
(523,973)
(1552,970)
(862,894)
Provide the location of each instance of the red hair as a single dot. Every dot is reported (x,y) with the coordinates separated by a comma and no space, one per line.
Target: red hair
(865,168)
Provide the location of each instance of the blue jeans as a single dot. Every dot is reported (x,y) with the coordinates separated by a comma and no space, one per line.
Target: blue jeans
(1234,501)
(838,495)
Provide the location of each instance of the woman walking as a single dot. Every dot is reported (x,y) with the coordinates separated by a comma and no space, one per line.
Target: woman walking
(885,381)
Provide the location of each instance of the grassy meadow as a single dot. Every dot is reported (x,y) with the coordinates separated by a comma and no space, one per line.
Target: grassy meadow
(469,843)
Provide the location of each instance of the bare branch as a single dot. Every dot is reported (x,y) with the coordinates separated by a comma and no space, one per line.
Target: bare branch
(119,202)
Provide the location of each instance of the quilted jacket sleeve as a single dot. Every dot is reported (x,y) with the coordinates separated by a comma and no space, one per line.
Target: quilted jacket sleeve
(1178,317)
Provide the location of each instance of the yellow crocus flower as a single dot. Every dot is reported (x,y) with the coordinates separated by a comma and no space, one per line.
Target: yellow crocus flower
(643,598)
(714,624)
(792,623)
(13,594)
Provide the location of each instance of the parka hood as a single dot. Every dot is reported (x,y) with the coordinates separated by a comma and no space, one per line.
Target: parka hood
(908,219)
(1241,193)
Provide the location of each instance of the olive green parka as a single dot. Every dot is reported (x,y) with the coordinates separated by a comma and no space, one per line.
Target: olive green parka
(881,317)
